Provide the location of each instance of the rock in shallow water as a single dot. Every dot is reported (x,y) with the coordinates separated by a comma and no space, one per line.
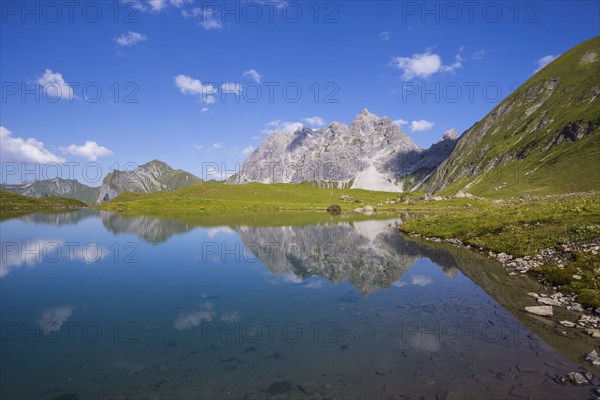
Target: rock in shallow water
(577,379)
(279,387)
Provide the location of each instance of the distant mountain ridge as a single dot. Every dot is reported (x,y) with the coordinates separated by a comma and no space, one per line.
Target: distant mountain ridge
(69,188)
(153,176)
(150,177)
(371,153)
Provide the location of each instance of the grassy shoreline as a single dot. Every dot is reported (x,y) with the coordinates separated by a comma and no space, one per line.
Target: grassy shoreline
(14,205)
(522,228)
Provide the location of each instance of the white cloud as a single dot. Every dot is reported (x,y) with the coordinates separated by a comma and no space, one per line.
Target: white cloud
(315,121)
(278,4)
(421,280)
(53,318)
(384,36)
(207,19)
(542,62)
(424,65)
(55,86)
(457,64)
(16,255)
(247,150)
(209,148)
(229,87)
(478,55)
(204,109)
(179,3)
(418,65)
(421,125)
(130,38)
(400,122)
(135,4)
(231,317)
(25,150)
(253,74)
(314,285)
(225,230)
(256,137)
(90,150)
(189,85)
(190,319)
(278,125)
(157,5)
(399,283)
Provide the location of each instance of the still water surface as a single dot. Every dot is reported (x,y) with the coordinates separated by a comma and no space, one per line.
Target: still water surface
(96,305)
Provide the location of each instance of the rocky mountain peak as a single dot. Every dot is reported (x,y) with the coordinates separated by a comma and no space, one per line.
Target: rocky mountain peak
(370,153)
(365,116)
(157,164)
(153,176)
(450,135)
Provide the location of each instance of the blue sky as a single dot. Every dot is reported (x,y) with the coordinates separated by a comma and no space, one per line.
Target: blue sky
(158,79)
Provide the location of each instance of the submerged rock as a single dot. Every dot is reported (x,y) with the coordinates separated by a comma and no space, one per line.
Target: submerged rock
(578,379)
(279,387)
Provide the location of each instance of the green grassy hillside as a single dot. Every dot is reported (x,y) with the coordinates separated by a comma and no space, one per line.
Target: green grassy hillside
(13,204)
(542,139)
(251,196)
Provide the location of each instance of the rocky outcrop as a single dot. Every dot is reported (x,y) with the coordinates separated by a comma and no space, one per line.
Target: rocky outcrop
(370,153)
(150,177)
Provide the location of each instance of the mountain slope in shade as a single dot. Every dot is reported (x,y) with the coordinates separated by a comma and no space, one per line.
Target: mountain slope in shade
(543,138)
(150,177)
(370,153)
(55,187)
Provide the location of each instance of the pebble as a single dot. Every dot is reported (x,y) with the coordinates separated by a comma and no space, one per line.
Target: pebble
(568,324)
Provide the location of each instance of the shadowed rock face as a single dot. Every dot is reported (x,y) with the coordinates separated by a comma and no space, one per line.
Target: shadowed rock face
(370,153)
(371,254)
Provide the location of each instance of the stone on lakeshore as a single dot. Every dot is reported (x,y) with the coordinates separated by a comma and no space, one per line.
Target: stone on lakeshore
(544,311)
